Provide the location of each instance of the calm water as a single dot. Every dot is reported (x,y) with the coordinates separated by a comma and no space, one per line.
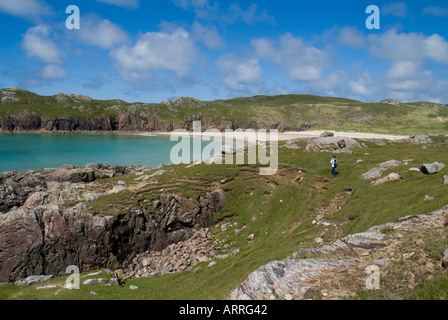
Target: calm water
(34,151)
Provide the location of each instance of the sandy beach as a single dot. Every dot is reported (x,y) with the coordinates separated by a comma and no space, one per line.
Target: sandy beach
(282,136)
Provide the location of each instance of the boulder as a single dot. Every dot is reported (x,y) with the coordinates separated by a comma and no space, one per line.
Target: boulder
(335,143)
(390,177)
(227,150)
(61,97)
(293,144)
(326,134)
(292,278)
(432,168)
(32,280)
(390,164)
(374,173)
(421,139)
(445,259)
(378,142)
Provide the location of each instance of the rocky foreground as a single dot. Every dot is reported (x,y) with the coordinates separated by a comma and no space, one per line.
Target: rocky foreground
(341,269)
(45,225)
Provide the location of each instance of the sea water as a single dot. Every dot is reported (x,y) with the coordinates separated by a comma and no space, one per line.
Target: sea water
(21,152)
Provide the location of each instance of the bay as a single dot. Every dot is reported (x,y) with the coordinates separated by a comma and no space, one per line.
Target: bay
(21,152)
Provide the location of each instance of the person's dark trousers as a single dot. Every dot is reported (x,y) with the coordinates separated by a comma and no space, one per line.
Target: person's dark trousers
(333,172)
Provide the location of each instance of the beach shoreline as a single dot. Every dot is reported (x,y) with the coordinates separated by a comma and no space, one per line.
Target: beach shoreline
(283,136)
(236,135)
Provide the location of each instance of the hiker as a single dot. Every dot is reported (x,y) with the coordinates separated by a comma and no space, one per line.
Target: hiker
(334,165)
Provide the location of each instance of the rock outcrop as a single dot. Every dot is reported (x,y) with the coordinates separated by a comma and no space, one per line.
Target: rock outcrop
(41,186)
(40,234)
(327,143)
(391,177)
(343,269)
(432,168)
(177,257)
(377,172)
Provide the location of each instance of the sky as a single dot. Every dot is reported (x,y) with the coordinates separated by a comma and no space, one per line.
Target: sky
(150,51)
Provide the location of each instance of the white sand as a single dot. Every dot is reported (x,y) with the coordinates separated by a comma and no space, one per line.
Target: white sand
(284,136)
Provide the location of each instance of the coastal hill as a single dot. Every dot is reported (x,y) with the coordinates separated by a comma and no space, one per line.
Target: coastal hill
(21,110)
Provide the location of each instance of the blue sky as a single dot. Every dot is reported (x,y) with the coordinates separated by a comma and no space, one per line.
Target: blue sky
(150,51)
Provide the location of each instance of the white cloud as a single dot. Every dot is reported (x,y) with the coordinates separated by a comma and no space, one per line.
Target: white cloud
(398,9)
(186,4)
(140,80)
(302,62)
(409,47)
(351,37)
(248,16)
(24,8)
(407,76)
(330,84)
(204,10)
(402,70)
(436,11)
(101,33)
(363,86)
(398,47)
(156,51)
(239,72)
(436,48)
(208,35)
(53,72)
(37,43)
(129,4)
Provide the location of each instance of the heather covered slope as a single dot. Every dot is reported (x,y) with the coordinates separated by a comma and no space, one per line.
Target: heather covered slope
(21,110)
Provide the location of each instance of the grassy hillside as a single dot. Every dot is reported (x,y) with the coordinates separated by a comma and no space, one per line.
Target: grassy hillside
(285,112)
(279,211)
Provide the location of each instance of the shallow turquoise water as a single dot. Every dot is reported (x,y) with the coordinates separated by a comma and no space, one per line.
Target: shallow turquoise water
(34,151)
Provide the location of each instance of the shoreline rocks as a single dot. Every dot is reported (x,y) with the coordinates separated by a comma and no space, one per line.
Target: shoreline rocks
(37,187)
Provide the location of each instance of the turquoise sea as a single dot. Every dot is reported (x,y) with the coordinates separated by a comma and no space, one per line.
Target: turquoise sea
(21,152)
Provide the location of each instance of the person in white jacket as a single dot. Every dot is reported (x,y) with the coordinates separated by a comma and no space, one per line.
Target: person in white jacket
(334,165)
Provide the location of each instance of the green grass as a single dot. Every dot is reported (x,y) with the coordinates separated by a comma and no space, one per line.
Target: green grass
(436,289)
(279,212)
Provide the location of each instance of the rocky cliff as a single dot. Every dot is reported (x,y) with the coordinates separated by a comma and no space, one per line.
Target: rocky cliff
(41,234)
(32,121)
